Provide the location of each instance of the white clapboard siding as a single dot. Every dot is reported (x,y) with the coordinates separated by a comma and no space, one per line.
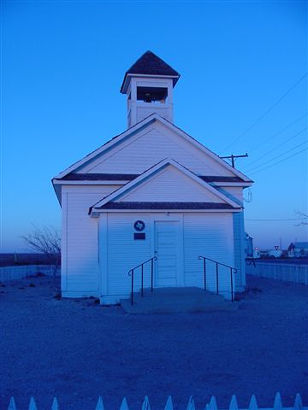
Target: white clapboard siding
(80,268)
(211,405)
(146,148)
(239,250)
(209,235)
(170,185)
(143,112)
(235,192)
(123,252)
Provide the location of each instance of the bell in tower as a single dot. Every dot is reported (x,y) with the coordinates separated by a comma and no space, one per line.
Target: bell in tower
(148,85)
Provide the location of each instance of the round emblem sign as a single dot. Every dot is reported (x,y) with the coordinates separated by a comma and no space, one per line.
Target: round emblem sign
(139,226)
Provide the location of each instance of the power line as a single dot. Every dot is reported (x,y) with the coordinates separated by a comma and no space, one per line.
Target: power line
(277,156)
(278,162)
(268,110)
(273,220)
(277,147)
(269,139)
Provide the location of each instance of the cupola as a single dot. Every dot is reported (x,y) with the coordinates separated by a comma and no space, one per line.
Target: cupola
(148,85)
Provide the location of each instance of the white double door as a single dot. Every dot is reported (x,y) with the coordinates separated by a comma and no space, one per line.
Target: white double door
(168,250)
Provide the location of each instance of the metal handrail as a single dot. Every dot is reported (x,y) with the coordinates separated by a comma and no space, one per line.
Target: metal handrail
(217,274)
(131,273)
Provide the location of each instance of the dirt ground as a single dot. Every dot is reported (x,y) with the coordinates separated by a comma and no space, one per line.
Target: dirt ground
(77,350)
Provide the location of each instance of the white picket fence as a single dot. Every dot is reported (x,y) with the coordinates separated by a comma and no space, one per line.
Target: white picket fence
(289,272)
(8,273)
(212,405)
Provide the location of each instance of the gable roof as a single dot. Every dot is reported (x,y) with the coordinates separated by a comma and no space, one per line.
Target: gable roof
(108,202)
(138,127)
(150,64)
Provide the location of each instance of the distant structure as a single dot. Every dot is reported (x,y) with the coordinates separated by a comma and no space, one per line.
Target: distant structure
(248,246)
(298,249)
(276,252)
(152,195)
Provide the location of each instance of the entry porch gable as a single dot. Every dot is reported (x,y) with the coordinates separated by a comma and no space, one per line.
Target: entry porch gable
(167,184)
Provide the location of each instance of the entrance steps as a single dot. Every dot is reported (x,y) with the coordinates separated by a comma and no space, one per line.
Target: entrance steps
(177,300)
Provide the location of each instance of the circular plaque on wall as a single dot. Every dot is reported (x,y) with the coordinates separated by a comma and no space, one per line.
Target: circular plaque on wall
(139,226)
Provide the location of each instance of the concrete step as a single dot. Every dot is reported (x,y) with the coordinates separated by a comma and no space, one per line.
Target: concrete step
(177,300)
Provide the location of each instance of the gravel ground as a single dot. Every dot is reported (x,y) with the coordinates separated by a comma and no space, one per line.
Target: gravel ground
(77,350)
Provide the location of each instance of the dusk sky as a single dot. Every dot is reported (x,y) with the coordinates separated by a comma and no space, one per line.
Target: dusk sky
(243,88)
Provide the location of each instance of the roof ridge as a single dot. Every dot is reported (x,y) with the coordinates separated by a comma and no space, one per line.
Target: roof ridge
(150,64)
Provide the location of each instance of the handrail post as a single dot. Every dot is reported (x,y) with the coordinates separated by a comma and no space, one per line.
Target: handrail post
(142,280)
(217,274)
(131,273)
(231,273)
(204,273)
(217,278)
(152,260)
(132,290)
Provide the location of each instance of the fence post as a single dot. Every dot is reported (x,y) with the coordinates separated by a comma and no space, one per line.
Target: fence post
(55,405)
(124,405)
(169,404)
(233,404)
(191,404)
(277,402)
(146,404)
(100,404)
(213,404)
(253,405)
(298,404)
(32,405)
(12,404)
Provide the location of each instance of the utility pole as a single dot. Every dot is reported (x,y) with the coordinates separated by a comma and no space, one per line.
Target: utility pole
(232,157)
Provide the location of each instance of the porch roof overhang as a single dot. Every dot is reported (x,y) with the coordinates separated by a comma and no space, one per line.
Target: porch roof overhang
(147,209)
(129,207)
(103,177)
(166,205)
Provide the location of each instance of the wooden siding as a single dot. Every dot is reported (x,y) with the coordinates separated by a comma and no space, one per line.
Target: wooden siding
(235,192)
(239,250)
(209,235)
(149,146)
(123,252)
(170,185)
(143,111)
(80,268)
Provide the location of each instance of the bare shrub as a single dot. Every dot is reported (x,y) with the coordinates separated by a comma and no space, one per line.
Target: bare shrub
(46,240)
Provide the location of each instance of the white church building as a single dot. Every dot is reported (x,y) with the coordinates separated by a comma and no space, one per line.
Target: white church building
(152,195)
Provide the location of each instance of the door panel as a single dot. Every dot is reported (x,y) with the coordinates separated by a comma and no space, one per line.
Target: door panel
(166,250)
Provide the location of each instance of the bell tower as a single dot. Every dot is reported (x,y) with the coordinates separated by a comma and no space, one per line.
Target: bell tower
(148,85)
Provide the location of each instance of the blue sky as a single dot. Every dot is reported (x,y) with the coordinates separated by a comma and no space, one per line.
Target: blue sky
(243,89)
